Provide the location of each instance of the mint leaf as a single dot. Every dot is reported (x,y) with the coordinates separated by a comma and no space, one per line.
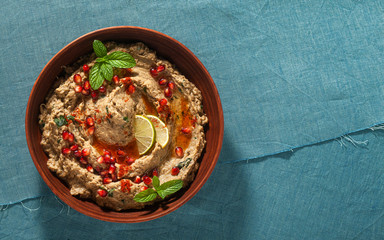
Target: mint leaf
(107,71)
(96,78)
(70,117)
(155,182)
(100,60)
(146,196)
(60,121)
(99,48)
(169,187)
(120,59)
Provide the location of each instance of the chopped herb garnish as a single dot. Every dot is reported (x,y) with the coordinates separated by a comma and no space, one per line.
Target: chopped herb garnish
(60,121)
(58,140)
(184,163)
(126,119)
(70,117)
(106,108)
(145,89)
(110,191)
(180,89)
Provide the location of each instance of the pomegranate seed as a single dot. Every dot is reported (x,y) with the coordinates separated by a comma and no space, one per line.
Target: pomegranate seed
(107,180)
(100,159)
(112,169)
(163,81)
(131,89)
(171,85)
(143,188)
(104,173)
(153,72)
(155,172)
(77,153)
(85,152)
(114,177)
(179,152)
(65,135)
(85,68)
(71,137)
(102,193)
(163,102)
(107,158)
(106,152)
(83,160)
(175,171)
(78,89)
(77,78)
(74,147)
(147,180)
(126,80)
(137,179)
(85,92)
(168,92)
(112,160)
(160,68)
(116,79)
(90,168)
(91,130)
(102,89)
(86,85)
(94,94)
(66,151)
(90,122)
(121,153)
(129,160)
(186,130)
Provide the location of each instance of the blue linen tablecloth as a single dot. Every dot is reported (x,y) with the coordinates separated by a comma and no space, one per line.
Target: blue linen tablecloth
(301,83)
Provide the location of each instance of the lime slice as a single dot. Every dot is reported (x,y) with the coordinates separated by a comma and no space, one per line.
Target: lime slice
(162,136)
(145,133)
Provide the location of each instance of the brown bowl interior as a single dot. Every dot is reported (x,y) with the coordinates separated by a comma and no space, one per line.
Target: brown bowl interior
(167,48)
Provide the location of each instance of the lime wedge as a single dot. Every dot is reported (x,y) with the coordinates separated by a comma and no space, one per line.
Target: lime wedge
(145,133)
(162,136)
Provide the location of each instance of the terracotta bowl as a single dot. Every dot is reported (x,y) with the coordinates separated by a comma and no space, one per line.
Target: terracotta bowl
(166,47)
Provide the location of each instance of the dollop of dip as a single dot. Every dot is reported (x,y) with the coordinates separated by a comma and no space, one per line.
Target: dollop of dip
(89,136)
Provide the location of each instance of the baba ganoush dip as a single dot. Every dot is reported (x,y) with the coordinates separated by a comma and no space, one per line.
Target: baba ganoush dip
(89,135)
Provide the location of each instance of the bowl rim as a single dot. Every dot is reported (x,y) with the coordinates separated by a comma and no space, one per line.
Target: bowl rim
(180,201)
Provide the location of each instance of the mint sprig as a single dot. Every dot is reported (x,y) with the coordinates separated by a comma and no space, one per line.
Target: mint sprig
(162,190)
(103,68)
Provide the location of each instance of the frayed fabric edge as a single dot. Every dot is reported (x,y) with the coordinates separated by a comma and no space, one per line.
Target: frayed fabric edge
(341,139)
(2,205)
